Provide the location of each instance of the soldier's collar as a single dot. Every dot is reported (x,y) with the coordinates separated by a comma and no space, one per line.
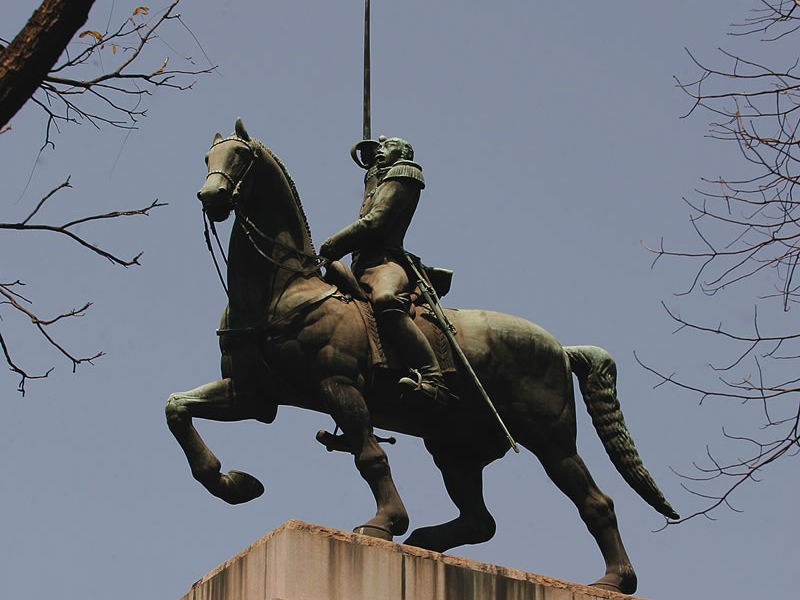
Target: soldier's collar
(376,172)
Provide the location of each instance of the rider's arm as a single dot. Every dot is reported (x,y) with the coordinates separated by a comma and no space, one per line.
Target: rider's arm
(392,199)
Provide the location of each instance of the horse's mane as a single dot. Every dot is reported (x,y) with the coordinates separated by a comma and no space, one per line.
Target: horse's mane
(260,146)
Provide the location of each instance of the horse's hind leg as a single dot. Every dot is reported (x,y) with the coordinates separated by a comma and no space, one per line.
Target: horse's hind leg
(211,401)
(463,478)
(346,404)
(568,471)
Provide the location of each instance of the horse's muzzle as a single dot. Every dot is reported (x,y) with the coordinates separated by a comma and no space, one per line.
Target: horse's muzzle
(217,203)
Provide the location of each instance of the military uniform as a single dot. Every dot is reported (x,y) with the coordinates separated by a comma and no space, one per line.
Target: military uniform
(379,264)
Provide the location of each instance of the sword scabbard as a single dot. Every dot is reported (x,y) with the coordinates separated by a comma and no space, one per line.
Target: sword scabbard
(429,293)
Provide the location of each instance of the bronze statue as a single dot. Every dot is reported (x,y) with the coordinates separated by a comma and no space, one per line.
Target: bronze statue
(290,337)
(392,191)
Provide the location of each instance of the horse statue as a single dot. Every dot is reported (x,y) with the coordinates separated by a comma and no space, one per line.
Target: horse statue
(288,336)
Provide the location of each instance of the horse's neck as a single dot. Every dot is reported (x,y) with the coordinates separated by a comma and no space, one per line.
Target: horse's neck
(264,278)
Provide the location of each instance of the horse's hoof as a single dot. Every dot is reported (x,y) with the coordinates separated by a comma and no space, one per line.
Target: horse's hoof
(616,583)
(374,531)
(239,487)
(419,539)
(604,585)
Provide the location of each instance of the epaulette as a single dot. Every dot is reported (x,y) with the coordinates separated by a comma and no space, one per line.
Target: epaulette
(406,169)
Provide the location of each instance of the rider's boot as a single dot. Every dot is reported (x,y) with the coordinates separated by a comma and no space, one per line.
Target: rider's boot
(427,379)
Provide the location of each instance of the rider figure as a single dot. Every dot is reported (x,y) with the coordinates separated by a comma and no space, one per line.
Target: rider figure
(393,185)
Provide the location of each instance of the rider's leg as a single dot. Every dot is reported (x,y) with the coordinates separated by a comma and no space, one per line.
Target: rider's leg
(388,287)
(406,337)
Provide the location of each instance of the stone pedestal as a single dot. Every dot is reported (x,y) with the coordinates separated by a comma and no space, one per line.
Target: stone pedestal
(299,561)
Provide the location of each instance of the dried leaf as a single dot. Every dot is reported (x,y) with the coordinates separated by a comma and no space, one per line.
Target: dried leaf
(141,10)
(160,70)
(114,48)
(96,35)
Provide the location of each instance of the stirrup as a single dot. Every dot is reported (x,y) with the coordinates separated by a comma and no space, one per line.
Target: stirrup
(435,390)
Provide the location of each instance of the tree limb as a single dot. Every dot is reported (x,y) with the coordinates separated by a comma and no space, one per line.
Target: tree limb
(10,297)
(748,232)
(32,53)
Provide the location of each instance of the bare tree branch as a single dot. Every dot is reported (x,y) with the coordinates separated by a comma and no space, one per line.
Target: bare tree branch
(65,229)
(33,52)
(63,79)
(22,305)
(24,376)
(73,90)
(748,230)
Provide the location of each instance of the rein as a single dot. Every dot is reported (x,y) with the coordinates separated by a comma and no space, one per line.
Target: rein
(257,237)
(208,223)
(286,319)
(249,227)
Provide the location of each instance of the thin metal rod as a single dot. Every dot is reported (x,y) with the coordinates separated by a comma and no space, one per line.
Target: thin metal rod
(433,301)
(367,132)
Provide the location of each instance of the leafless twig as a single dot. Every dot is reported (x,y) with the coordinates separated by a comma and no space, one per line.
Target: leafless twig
(81,87)
(748,231)
(11,297)
(74,91)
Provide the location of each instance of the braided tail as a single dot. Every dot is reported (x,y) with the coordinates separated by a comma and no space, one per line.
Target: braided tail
(597,376)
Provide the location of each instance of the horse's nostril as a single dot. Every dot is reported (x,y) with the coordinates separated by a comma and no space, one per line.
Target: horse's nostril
(206,194)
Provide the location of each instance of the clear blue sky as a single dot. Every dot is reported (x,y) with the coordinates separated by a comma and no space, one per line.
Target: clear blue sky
(552,147)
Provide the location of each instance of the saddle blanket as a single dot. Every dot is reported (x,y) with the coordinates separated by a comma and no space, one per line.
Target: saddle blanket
(383,356)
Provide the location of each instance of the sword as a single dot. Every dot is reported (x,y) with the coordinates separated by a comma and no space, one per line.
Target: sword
(363,152)
(367,131)
(432,298)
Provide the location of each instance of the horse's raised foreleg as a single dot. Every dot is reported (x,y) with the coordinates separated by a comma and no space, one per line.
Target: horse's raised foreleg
(463,479)
(211,401)
(347,406)
(569,473)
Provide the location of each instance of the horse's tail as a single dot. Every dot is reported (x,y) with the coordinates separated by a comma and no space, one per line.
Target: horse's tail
(597,376)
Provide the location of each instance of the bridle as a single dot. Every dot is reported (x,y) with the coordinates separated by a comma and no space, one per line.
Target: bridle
(208,224)
(254,234)
(237,184)
(251,230)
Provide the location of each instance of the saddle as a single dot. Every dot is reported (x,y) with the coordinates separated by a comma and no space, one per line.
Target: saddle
(382,355)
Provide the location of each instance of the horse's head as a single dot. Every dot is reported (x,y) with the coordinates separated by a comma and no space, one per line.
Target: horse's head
(230,161)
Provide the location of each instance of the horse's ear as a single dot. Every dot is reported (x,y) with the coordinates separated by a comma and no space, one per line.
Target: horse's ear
(217,137)
(240,130)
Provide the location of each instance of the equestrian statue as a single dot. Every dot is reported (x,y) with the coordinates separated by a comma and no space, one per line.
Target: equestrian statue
(366,349)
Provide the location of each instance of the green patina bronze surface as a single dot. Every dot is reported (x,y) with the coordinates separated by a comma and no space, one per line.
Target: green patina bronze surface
(290,337)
